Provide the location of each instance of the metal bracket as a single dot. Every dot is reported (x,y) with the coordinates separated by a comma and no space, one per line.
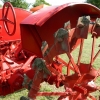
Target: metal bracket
(82,27)
(44,48)
(97,27)
(39,65)
(61,36)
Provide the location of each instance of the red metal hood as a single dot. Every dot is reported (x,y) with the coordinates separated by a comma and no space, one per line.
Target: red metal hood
(20,15)
(41,25)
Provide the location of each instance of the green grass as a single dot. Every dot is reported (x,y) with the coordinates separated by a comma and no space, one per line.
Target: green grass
(15,96)
(46,87)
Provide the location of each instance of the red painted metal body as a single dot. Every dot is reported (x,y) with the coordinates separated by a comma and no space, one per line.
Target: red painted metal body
(10,76)
(45,35)
(19,18)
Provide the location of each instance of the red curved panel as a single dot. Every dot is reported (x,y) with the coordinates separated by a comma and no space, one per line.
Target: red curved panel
(41,25)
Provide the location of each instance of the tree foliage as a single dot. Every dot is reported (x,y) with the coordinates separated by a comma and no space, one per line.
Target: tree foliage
(94,2)
(0,5)
(39,2)
(18,3)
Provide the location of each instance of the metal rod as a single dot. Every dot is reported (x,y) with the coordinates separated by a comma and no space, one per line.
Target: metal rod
(96,55)
(73,63)
(92,52)
(80,52)
(66,64)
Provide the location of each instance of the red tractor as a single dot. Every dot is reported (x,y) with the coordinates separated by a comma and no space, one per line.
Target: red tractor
(31,45)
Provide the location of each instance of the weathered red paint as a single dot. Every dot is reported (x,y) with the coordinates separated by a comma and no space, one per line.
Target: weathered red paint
(36,53)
